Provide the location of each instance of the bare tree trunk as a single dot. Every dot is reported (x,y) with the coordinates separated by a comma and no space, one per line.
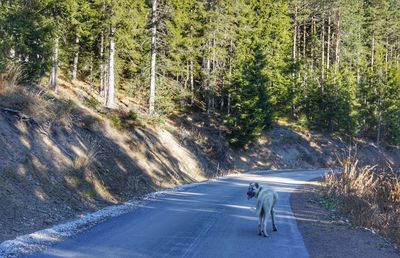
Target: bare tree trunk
(102,74)
(294,43)
(295,36)
(214,63)
(312,43)
(230,76)
(208,84)
(299,57)
(329,45)
(76,59)
(153,57)
(337,47)
(54,68)
(323,52)
(191,83)
(304,40)
(111,73)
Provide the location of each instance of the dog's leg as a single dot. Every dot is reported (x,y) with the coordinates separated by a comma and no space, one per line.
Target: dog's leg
(265,218)
(261,221)
(273,220)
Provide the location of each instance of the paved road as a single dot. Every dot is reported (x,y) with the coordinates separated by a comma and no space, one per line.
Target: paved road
(209,220)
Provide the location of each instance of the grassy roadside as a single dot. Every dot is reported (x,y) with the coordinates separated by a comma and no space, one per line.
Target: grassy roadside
(368,195)
(327,233)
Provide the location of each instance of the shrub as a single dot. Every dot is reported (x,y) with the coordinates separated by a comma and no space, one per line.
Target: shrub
(132,115)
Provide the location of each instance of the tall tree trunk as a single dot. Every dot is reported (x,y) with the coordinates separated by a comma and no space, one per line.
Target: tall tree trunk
(208,85)
(102,73)
(230,76)
(328,45)
(191,83)
(214,63)
(153,57)
(54,67)
(294,42)
(337,45)
(76,59)
(111,72)
(323,52)
(304,39)
(295,36)
(312,43)
(294,57)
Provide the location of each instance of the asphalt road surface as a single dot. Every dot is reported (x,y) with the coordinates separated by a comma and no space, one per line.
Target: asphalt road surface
(214,219)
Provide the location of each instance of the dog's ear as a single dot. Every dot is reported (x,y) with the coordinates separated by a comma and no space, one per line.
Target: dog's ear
(256,184)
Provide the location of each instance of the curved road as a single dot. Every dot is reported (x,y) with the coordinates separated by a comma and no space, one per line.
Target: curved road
(214,219)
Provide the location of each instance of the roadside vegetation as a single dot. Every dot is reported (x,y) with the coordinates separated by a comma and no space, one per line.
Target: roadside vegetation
(368,195)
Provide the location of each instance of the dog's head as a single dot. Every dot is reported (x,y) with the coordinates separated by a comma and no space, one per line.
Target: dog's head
(252,190)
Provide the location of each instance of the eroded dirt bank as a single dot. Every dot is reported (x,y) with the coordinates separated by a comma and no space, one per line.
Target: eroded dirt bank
(62,157)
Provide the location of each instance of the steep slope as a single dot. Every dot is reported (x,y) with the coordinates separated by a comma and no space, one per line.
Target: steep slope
(60,159)
(64,156)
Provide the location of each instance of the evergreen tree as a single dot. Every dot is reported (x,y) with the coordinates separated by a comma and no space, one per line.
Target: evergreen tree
(334,63)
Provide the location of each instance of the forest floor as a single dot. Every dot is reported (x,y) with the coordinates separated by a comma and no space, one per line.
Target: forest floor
(327,233)
(64,156)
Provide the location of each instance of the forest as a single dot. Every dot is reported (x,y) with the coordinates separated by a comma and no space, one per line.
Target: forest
(330,65)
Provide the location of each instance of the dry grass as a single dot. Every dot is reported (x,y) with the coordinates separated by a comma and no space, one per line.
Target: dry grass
(369,195)
(24,100)
(38,103)
(85,161)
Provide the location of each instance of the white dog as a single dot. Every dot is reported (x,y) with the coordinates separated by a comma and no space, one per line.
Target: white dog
(266,200)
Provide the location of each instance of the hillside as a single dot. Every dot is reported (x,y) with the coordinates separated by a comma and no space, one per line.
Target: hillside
(62,157)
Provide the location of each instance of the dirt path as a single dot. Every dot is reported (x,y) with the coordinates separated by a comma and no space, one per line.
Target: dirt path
(326,235)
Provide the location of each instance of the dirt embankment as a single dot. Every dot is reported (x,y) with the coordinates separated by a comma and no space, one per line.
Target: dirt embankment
(289,147)
(61,157)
